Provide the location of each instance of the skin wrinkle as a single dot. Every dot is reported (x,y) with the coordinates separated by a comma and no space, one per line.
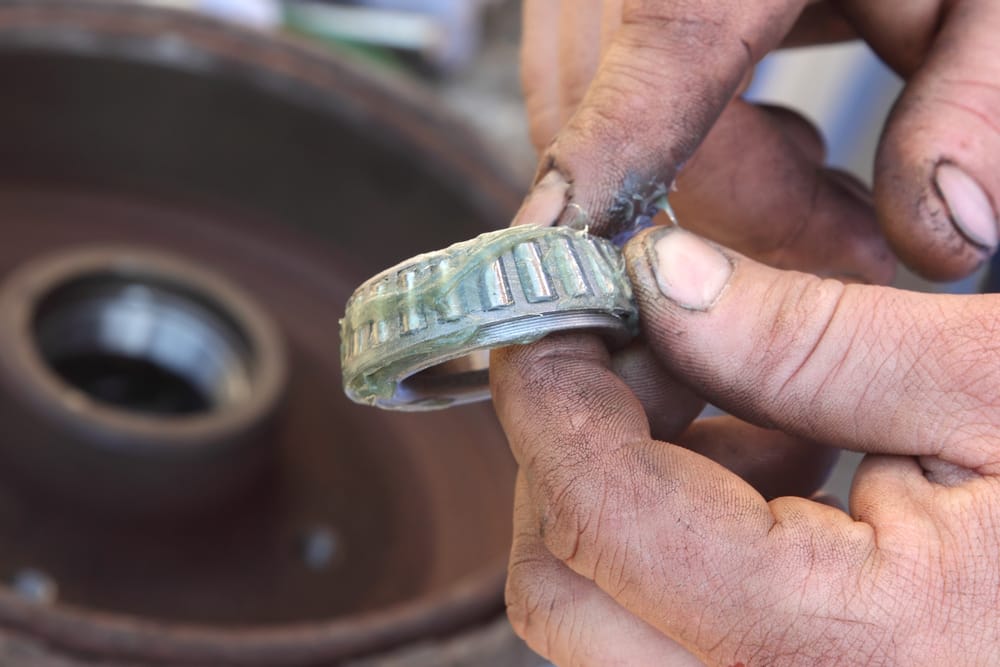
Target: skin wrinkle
(976,114)
(960,362)
(688,25)
(883,567)
(528,611)
(725,593)
(971,83)
(819,340)
(889,359)
(578,526)
(874,390)
(580,603)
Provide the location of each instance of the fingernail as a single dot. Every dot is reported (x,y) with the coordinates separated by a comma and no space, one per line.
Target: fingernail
(545,202)
(689,271)
(968,205)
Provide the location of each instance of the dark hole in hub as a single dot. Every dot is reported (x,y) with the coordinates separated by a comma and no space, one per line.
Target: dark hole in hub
(132,384)
(144,345)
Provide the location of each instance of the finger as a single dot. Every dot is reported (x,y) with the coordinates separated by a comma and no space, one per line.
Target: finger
(776,202)
(899,32)
(611,20)
(798,130)
(831,500)
(859,367)
(566,618)
(669,405)
(820,23)
(540,69)
(579,51)
(673,537)
(937,175)
(886,488)
(774,463)
(670,70)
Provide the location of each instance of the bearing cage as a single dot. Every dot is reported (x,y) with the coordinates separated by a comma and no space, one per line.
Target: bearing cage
(404,329)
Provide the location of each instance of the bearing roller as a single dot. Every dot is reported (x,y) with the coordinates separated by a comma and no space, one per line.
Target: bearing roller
(414,337)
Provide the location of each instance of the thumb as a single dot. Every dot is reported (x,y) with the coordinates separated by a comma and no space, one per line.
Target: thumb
(868,368)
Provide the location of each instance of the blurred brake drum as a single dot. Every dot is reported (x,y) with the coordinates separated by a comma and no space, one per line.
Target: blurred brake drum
(185,207)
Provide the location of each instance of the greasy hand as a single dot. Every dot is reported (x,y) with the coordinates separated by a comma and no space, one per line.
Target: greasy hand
(621,93)
(632,551)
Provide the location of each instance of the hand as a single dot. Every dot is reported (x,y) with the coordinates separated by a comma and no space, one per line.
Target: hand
(790,226)
(631,551)
(621,93)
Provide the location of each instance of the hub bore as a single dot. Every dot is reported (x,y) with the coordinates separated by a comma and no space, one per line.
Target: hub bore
(144,346)
(141,369)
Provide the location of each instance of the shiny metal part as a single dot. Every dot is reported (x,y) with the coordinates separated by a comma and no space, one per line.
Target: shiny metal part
(408,333)
(130,368)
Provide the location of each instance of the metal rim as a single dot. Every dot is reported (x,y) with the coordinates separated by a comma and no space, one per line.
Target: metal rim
(406,330)
(432,384)
(25,291)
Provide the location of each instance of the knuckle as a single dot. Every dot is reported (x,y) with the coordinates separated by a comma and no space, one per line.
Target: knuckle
(815,329)
(792,330)
(688,23)
(807,543)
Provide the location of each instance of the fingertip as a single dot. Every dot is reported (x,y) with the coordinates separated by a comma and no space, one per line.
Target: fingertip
(884,488)
(937,219)
(545,202)
(684,268)
(937,168)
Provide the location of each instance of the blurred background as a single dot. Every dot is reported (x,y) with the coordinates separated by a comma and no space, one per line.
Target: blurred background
(190,189)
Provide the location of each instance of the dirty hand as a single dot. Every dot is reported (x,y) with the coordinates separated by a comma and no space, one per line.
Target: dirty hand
(633,551)
(621,93)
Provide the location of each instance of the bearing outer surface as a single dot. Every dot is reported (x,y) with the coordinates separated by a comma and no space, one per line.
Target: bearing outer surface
(508,287)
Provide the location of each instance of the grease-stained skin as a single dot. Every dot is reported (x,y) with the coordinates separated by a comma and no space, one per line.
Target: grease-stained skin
(642,538)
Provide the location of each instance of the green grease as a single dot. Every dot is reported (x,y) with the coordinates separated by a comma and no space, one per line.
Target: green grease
(430,291)
(371,374)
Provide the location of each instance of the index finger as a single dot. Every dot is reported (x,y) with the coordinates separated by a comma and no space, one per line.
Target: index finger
(672,536)
(668,73)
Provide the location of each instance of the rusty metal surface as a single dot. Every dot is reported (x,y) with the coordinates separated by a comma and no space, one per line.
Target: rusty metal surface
(129,370)
(294,175)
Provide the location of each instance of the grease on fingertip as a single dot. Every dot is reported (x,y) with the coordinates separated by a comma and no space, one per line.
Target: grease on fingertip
(645,220)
